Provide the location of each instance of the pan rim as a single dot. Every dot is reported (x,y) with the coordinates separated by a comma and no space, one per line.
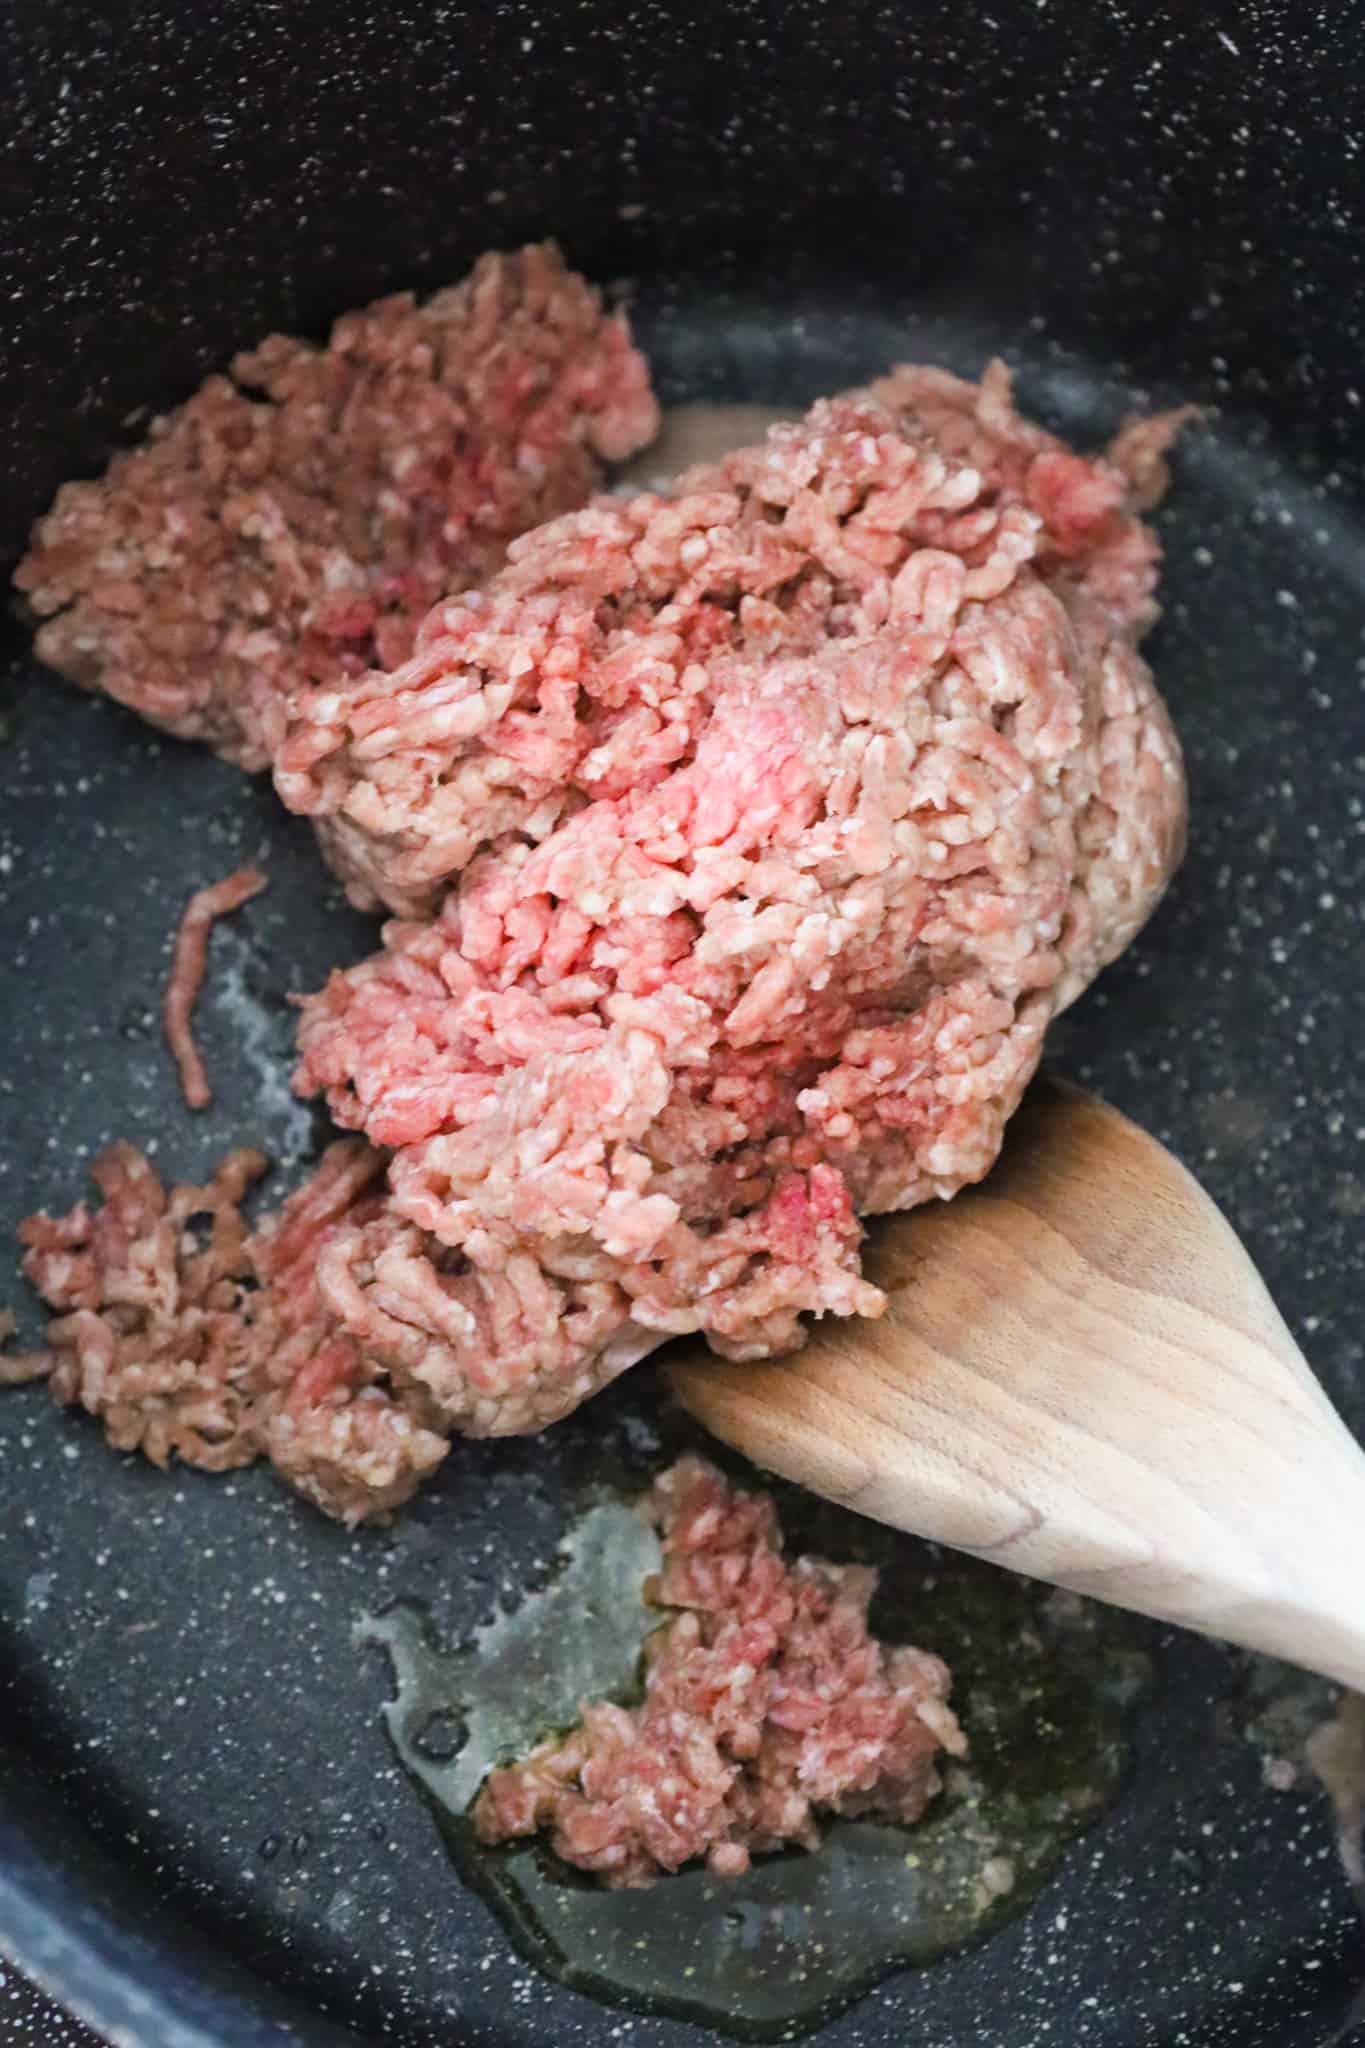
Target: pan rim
(81,1974)
(71,1949)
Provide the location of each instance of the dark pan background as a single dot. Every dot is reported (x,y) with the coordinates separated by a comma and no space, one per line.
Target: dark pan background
(1134,203)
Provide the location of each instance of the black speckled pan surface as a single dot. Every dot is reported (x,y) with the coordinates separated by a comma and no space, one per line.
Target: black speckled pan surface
(203,1836)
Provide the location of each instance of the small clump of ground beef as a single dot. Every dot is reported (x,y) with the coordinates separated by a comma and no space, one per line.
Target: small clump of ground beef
(292,523)
(147,1285)
(767,1704)
(189,965)
(187,1334)
(19,1368)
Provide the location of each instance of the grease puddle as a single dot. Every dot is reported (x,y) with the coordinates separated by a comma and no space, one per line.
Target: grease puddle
(1046,1687)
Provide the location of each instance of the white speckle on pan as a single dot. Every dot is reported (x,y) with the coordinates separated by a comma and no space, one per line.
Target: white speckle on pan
(263,1038)
(38,1592)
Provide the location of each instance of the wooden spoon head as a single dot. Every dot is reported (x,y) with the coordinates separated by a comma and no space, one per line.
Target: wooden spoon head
(1080,1375)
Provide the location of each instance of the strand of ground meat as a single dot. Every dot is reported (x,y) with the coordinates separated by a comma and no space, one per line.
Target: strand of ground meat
(148,1334)
(188,968)
(19,1368)
(291,524)
(767,1703)
(188,1335)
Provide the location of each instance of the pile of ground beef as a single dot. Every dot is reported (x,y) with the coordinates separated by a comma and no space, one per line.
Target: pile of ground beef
(189,965)
(749,835)
(291,524)
(766,1703)
(591,665)
(188,1335)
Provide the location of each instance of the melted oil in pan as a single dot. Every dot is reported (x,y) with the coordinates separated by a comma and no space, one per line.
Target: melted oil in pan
(1045,1684)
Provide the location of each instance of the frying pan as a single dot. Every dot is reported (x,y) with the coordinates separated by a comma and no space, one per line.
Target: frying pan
(204,1840)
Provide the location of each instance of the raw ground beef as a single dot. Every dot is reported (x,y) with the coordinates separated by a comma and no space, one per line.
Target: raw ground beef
(188,967)
(836,774)
(18,1368)
(790,806)
(186,1334)
(766,1703)
(292,523)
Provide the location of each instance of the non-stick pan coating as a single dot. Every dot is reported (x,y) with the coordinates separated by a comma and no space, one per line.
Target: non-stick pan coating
(203,1838)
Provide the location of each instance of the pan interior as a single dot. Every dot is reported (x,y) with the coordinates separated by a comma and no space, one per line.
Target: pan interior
(177,1667)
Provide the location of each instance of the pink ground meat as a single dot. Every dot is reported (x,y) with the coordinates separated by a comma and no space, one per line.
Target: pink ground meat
(291,524)
(848,776)
(187,1335)
(188,968)
(766,1704)
(147,1288)
(790,808)
(19,1368)
(586,669)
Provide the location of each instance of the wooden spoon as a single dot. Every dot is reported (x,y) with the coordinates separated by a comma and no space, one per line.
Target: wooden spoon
(1081,1376)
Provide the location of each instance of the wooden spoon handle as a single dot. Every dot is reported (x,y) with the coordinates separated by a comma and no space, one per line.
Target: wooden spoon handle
(1130,1420)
